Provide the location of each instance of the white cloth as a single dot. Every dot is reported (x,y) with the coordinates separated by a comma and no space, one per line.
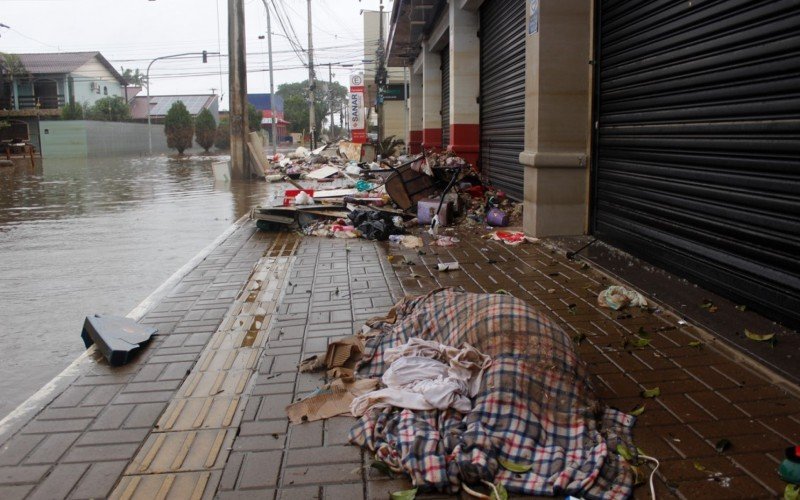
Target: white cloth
(427,375)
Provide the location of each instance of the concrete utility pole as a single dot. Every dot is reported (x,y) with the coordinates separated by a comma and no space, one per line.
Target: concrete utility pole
(311,83)
(330,96)
(237,80)
(380,74)
(271,85)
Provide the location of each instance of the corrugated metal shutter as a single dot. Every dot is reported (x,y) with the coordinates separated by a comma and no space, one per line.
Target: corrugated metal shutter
(503,93)
(698,145)
(445,97)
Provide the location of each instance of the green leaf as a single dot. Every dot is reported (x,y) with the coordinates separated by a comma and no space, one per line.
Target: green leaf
(651,393)
(382,467)
(696,343)
(758,337)
(502,291)
(514,467)
(404,495)
(502,494)
(708,305)
(699,466)
(624,452)
(638,410)
(722,445)
(640,342)
(792,492)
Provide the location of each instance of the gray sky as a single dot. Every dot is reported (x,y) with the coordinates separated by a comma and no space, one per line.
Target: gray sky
(130,33)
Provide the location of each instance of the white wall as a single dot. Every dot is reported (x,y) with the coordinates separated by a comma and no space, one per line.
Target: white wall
(93,72)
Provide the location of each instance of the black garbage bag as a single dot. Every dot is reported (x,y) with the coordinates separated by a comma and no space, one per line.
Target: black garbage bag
(374,225)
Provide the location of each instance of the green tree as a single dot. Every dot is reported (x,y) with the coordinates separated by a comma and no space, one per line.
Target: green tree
(295,106)
(10,67)
(253,118)
(109,109)
(72,111)
(179,127)
(132,77)
(223,136)
(205,129)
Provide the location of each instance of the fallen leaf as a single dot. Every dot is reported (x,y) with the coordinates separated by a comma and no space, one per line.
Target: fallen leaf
(741,308)
(572,309)
(708,305)
(391,258)
(404,495)
(792,492)
(637,411)
(415,275)
(651,393)
(514,467)
(758,337)
(382,467)
(699,466)
(551,290)
(640,342)
(722,445)
(501,493)
(696,343)
(623,451)
(585,266)
(502,291)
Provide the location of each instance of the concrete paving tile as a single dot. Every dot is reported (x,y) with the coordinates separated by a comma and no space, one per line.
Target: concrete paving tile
(61,480)
(22,474)
(98,481)
(17,448)
(51,448)
(260,470)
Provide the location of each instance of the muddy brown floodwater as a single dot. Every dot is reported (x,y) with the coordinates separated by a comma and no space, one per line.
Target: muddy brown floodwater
(82,236)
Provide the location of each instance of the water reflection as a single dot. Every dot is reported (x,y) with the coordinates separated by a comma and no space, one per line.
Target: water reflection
(79,236)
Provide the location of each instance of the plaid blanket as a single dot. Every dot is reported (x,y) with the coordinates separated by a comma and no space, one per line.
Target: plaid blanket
(536,406)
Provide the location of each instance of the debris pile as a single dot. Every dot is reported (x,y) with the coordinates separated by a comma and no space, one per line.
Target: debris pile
(384,199)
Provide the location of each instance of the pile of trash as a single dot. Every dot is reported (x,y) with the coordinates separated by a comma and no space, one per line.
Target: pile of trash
(379,199)
(469,391)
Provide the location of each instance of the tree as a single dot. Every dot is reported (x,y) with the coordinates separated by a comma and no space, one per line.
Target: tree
(223,136)
(178,127)
(109,109)
(10,67)
(253,118)
(205,129)
(72,111)
(133,77)
(295,106)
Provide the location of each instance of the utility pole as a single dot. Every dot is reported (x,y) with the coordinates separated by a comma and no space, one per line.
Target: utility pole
(380,74)
(271,85)
(311,84)
(237,80)
(330,96)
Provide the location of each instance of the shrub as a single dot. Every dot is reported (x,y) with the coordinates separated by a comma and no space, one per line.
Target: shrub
(253,118)
(109,109)
(205,129)
(72,111)
(178,127)
(223,136)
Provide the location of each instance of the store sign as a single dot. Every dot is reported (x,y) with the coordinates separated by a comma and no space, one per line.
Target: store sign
(395,92)
(355,108)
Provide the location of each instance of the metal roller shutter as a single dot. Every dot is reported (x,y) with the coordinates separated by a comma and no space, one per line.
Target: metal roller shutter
(503,93)
(445,97)
(697,165)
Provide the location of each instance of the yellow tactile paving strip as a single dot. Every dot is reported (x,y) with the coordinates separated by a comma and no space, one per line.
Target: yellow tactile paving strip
(184,454)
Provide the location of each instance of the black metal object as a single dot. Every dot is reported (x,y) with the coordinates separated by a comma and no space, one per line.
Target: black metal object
(116,337)
(502,102)
(445,67)
(697,164)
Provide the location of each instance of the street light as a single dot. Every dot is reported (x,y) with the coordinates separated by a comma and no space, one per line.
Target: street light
(204,55)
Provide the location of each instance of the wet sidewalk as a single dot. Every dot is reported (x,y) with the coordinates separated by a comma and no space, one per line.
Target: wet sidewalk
(200,414)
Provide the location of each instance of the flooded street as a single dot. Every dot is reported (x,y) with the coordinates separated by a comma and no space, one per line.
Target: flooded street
(82,236)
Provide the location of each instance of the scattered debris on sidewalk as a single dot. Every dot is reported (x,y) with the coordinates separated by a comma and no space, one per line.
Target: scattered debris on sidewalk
(117,338)
(619,297)
(431,190)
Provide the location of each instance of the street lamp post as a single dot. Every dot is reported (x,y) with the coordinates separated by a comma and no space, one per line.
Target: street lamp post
(147,79)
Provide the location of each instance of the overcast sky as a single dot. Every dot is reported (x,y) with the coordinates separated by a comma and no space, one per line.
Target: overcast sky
(131,33)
